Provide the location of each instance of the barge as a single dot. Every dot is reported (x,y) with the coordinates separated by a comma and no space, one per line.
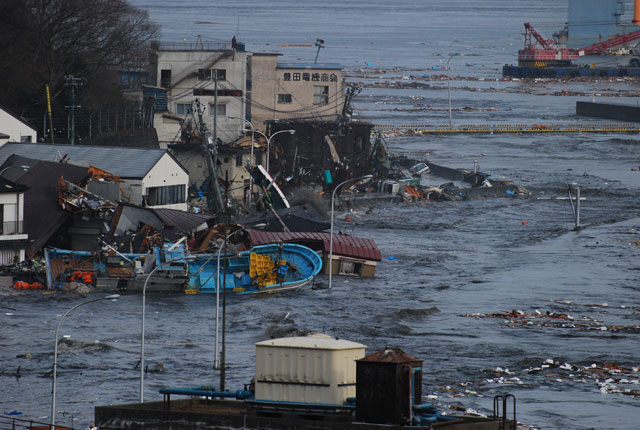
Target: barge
(310,382)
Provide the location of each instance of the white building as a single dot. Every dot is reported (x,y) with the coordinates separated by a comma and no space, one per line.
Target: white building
(14,129)
(13,241)
(215,73)
(150,177)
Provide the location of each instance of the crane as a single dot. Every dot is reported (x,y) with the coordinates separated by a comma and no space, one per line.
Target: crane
(548,52)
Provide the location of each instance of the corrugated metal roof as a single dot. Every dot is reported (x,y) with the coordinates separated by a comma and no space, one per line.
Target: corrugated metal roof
(314,341)
(390,356)
(185,221)
(348,246)
(125,162)
(332,66)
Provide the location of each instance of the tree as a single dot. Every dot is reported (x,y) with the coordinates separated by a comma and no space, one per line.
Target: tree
(46,40)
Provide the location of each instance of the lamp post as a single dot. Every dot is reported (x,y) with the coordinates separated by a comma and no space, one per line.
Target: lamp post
(333,195)
(449,88)
(269,141)
(252,135)
(217,362)
(144,295)
(55,353)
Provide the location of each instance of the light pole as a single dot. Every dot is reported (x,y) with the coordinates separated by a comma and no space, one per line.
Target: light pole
(269,141)
(252,135)
(144,295)
(333,195)
(449,88)
(216,362)
(55,353)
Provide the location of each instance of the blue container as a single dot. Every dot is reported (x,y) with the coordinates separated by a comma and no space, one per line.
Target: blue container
(327,177)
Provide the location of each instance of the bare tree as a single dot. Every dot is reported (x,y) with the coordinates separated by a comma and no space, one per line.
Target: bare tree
(47,40)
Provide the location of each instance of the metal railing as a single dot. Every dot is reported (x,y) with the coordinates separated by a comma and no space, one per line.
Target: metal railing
(11,423)
(12,227)
(192,46)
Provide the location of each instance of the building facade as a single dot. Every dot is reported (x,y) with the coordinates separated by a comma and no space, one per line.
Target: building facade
(14,129)
(214,73)
(13,241)
(294,91)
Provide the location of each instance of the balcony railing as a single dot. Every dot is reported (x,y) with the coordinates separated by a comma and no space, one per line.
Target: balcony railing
(11,227)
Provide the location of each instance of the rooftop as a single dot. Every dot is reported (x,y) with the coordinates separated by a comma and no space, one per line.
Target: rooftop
(319,66)
(313,341)
(349,246)
(124,162)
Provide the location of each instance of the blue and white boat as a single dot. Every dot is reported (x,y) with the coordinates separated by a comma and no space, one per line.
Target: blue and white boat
(262,269)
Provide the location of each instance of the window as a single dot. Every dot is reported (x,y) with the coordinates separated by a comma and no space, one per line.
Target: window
(222,109)
(165,78)
(350,267)
(212,74)
(320,95)
(287,76)
(284,98)
(25,139)
(296,76)
(239,160)
(183,108)
(167,195)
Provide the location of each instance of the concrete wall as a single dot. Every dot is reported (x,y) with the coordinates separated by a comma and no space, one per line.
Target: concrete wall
(184,65)
(268,83)
(615,111)
(264,88)
(15,129)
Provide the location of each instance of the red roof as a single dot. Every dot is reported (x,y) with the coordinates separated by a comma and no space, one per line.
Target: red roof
(391,356)
(348,246)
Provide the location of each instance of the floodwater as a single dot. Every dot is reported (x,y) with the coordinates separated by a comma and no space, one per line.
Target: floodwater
(572,363)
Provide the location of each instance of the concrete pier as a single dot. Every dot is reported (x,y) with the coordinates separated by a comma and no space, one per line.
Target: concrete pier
(617,111)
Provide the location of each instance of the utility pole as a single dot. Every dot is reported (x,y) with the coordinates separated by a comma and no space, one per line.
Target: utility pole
(73,82)
(210,150)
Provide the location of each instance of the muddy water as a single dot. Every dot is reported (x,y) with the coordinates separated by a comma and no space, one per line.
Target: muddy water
(451,272)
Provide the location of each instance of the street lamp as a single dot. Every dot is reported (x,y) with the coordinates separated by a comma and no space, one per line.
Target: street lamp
(144,295)
(449,87)
(269,141)
(333,195)
(252,134)
(218,363)
(55,352)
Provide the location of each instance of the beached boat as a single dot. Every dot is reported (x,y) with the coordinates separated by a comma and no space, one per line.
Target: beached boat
(263,269)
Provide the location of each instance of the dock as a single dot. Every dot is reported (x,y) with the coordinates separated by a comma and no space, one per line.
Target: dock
(618,111)
(209,413)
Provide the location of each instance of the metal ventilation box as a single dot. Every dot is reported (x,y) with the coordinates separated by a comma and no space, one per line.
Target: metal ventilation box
(307,369)
(389,384)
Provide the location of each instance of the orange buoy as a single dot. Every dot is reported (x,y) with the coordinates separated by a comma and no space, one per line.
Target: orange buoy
(524,223)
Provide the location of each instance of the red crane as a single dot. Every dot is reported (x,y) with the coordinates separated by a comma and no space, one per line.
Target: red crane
(546,54)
